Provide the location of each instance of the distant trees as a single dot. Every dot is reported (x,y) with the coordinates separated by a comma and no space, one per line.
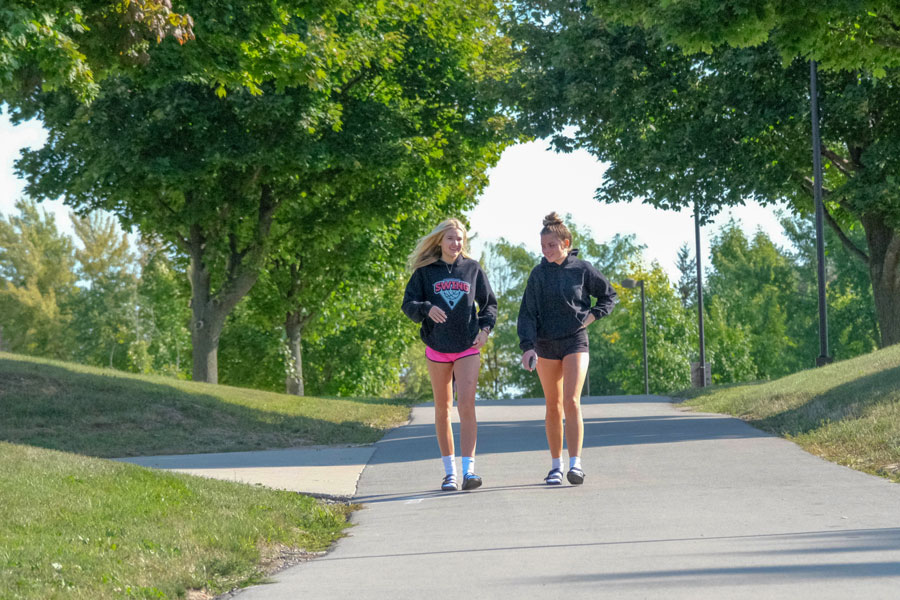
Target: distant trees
(101,301)
(37,280)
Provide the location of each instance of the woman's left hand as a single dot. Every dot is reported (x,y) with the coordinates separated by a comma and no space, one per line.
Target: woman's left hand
(480,339)
(590,319)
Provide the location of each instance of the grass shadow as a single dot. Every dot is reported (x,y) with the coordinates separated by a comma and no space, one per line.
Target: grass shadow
(107,413)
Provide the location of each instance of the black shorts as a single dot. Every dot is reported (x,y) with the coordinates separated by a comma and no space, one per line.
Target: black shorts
(558,348)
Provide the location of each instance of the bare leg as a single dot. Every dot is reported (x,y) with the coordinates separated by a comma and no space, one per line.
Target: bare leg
(550,373)
(574,367)
(441,375)
(466,371)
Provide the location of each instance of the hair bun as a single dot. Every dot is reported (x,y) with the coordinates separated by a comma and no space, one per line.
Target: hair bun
(552,219)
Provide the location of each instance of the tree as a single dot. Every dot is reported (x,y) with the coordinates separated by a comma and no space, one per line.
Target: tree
(36,280)
(852,327)
(839,34)
(105,311)
(713,130)
(671,336)
(687,281)
(51,44)
(507,267)
(164,341)
(211,171)
(755,286)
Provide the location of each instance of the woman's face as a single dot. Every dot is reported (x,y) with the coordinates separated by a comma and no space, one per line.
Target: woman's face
(554,249)
(451,245)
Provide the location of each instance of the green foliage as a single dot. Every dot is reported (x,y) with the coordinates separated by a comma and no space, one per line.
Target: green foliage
(756,288)
(347,118)
(840,34)
(36,281)
(713,129)
(507,267)
(852,327)
(105,321)
(671,336)
(163,345)
(51,44)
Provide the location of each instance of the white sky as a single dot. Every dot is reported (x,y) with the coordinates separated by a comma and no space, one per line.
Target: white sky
(527,183)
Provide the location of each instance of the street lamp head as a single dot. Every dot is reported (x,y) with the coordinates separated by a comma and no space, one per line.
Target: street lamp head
(629,283)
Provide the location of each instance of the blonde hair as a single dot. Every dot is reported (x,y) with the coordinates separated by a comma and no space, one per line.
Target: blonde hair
(428,248)
(554,224)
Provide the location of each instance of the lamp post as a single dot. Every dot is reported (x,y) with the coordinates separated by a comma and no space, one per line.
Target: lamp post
(823,358)
(631,283)
(702,365)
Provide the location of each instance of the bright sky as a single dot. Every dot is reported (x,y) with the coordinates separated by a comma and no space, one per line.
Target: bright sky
(527,183)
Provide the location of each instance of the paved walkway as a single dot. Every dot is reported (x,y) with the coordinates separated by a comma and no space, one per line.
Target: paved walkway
(675,505)
(316,470)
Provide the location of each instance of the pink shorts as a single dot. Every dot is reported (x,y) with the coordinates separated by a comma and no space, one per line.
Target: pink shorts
(448,357)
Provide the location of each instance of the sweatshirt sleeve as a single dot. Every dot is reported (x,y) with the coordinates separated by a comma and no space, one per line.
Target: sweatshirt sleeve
(487,302)
(526,324)
(415,306)
(600,288)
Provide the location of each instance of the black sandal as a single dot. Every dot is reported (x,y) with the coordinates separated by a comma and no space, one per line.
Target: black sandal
(449,483)
(471,481)
(575,476)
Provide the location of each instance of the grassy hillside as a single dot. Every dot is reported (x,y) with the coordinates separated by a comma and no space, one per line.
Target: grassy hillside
(85,528)
(77,526)
(847,412)
(106,413)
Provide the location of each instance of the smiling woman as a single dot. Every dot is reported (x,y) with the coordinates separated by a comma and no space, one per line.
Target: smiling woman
(450,296)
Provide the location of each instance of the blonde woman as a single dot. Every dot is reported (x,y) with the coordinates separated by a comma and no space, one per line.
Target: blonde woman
(449,294)
(553,319)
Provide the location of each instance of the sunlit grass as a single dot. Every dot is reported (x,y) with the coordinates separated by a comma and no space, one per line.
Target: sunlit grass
(847,412)
(87,528)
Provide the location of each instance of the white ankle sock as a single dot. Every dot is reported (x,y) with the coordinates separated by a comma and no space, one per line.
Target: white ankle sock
(468,464)
(556,463)
(574,462)
(449,464)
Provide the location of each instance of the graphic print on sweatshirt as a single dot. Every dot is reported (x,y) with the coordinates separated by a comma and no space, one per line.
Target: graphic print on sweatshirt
(451,290)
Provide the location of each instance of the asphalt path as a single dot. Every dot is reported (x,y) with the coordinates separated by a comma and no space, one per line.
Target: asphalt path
(675,504)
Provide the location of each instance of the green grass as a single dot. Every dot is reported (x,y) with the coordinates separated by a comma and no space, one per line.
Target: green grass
(76,527)
(79,527)
(105,413)
(847,412)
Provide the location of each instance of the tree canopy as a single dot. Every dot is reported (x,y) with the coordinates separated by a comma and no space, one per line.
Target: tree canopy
(363,114)
(714,129)
(839,34)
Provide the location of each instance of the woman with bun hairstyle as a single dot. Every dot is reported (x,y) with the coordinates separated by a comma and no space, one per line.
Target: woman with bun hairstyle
(553,319)
(449,294)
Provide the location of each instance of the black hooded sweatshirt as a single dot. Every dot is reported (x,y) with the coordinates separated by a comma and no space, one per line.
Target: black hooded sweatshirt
(557,299)
(462,291)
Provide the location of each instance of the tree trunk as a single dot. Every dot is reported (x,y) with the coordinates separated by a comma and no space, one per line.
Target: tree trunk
(205,327)
(208,311)
(884,268)
(293,326)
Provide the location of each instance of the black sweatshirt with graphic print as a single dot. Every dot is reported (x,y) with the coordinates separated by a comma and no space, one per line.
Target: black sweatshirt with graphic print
(557,299)
(462,291)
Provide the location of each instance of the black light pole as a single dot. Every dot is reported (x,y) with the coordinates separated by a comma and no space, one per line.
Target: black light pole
(631,283)
(823,358)
(702,365)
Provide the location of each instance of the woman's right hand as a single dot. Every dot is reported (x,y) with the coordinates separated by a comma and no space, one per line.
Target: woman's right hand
(437,315)
(527,358)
